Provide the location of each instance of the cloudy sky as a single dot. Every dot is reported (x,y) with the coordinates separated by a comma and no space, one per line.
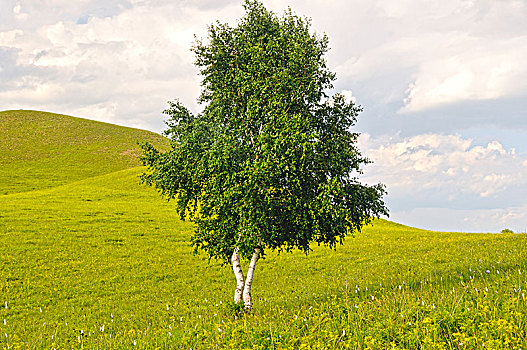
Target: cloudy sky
(443,84)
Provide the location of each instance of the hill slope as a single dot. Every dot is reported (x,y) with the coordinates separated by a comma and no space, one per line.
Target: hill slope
(41,150)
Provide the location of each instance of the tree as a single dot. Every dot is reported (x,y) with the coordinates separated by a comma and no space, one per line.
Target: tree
(270,163)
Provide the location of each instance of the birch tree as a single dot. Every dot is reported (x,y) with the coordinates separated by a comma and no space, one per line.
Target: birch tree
(271,162)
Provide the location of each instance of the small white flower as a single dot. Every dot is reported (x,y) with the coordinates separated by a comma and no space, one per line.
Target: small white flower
(102,328)
(169,334)
(79,338)
(40,309)
(168,308)
(169,326)
(181,319)
(135,343)
(373,297)
(5,322)
(6,304)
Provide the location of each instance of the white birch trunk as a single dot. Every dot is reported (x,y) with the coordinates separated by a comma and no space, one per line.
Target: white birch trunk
(247,298)
(238,273)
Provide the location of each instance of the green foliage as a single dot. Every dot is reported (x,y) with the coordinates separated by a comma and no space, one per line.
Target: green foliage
(271,162)
(506,230)
(42,150)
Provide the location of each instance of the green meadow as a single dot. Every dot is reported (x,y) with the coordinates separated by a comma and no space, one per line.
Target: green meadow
(41,150)
(92,259)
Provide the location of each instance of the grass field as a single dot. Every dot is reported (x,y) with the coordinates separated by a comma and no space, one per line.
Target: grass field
(99,261)
(42,150)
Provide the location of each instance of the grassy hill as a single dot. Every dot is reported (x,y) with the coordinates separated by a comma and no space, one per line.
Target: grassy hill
(103,262)
(43,150)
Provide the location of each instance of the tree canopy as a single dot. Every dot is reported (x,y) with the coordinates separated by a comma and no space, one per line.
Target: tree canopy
(271,162)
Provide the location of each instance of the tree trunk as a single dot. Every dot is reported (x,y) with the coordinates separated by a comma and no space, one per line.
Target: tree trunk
(247,298)
(238,273)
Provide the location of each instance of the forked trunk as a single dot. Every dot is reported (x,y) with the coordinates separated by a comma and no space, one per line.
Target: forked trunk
(247,298)
(238,273)
(243,286)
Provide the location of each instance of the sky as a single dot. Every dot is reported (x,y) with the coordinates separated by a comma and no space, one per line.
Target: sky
(443,84)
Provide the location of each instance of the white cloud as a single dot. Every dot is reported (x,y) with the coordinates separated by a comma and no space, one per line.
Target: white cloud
(450,166)
(446,182)
(424,53)
(443,52)
(119,68)
(19,15)
(9,37)
(348,96)
(489,69)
